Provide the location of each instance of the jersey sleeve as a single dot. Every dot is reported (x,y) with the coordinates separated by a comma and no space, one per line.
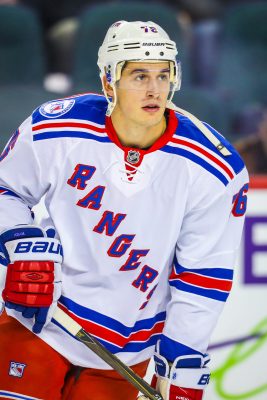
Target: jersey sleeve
(202,273)
(21,182)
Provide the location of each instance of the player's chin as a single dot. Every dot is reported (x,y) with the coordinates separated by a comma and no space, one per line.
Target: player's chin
(151,121)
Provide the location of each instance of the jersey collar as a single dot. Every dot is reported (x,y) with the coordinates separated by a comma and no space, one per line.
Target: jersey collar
(159,143)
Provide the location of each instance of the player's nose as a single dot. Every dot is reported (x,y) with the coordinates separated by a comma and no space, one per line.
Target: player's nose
(152,88)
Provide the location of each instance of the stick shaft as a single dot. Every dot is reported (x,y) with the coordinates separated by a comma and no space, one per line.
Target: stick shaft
(93,344)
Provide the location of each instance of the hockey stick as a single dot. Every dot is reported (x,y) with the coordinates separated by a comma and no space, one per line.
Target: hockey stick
(93,344)
(206,132)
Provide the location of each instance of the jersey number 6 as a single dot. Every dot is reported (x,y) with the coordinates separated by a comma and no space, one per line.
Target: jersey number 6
(240,202)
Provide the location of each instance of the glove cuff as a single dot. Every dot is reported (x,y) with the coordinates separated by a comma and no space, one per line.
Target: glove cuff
(41,249)
(30,242)
(179,374)
(193,378)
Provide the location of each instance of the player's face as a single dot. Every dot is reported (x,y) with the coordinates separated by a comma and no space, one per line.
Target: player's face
(142,92)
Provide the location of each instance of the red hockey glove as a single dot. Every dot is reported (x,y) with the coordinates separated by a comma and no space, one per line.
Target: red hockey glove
(33,278)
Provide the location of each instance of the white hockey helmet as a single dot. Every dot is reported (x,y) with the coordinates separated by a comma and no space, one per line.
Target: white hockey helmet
(136,41)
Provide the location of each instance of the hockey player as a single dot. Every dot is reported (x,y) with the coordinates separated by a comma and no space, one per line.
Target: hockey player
(145,208)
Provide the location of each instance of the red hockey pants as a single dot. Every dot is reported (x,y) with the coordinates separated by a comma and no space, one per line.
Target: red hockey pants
(31,370)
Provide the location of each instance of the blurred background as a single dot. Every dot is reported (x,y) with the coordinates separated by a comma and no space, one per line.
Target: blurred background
(48,50)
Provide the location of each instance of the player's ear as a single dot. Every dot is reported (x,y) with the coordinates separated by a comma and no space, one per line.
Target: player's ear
(108,88)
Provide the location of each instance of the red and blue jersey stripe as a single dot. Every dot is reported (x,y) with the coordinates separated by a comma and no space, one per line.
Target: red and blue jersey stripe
(190,143)
(71,128)
(116,336)
(15,396)
(7,192)
(10,145)
(214,283)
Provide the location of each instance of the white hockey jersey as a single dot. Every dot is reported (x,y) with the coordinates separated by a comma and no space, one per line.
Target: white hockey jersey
(149,236)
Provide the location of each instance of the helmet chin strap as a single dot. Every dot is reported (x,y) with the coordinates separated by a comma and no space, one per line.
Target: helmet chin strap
(111,103)
(111,100)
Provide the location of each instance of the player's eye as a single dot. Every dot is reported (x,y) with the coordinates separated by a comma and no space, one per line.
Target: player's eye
(140,77)
(164,77)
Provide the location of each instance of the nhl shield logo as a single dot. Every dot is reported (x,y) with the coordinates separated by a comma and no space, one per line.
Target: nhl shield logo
(133,156)
(16,369)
